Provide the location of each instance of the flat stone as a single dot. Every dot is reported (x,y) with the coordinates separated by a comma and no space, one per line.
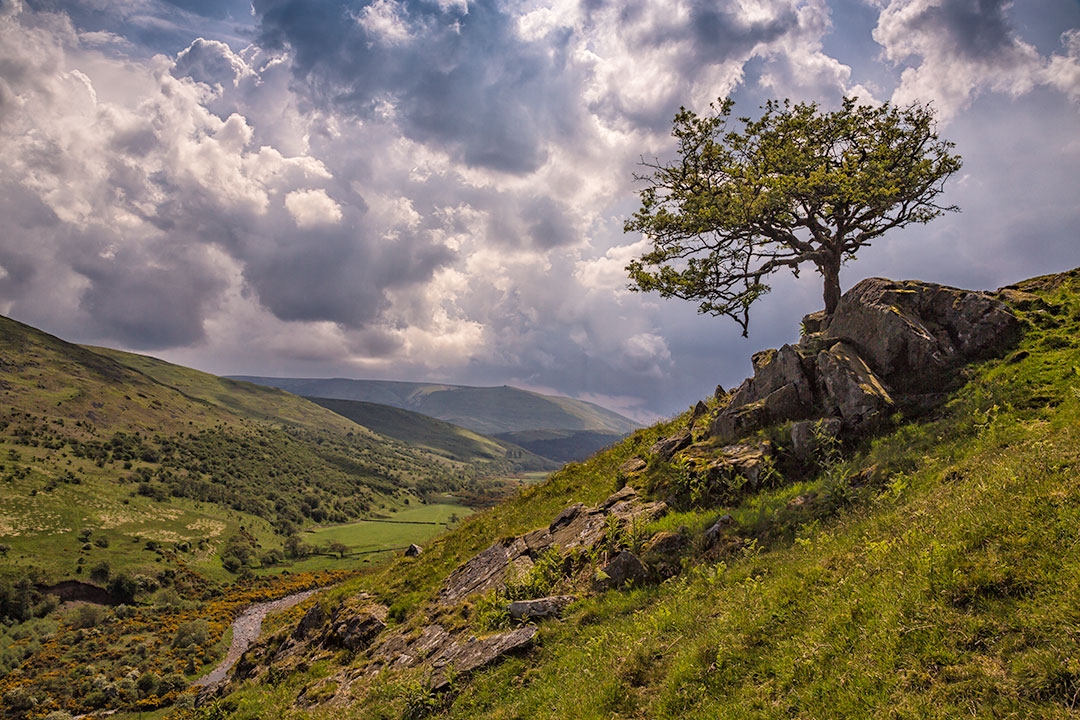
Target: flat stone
(464,657)
(539,608)
(667,447)
(632,466)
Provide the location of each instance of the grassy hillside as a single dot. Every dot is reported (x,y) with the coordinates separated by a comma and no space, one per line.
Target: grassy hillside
(488,410)
(115,458)
(931,570)
(442,438)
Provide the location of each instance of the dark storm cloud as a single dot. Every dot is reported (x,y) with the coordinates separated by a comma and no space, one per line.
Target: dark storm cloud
(147,305)
(977,29)
(463,81)
(333,274)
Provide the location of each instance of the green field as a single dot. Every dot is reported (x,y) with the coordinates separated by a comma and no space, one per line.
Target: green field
(416,524)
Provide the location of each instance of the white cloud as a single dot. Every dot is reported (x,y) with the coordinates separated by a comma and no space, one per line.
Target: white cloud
(310,208)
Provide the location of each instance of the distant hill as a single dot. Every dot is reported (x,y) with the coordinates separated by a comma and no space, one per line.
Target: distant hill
(488,410)
(437,436)
(561,445)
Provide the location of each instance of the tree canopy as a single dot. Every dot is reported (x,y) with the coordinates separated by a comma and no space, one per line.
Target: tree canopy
(796,185)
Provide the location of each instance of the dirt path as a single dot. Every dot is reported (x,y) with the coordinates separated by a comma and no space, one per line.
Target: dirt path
(246,630)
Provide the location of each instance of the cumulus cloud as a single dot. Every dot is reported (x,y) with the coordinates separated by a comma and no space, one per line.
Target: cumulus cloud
(964,48)
(312,207)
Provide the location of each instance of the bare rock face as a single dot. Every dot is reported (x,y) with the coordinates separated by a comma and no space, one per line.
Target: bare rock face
(666,447)
(540,608)
(851,389)
(905,328)
(887,343)
(483,572)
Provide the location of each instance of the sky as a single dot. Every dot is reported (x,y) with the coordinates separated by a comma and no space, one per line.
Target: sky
(436,189)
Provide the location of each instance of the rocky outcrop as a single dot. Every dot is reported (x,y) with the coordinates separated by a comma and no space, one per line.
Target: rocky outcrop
(888,343)
(576,526)
(413,550)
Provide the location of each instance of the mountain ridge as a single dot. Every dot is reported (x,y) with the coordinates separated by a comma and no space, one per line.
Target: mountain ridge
(484,409)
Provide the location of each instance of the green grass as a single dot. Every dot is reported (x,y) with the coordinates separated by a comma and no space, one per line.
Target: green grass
(416,524)
(948,587)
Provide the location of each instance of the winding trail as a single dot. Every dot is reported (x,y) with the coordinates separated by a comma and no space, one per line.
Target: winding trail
(246,630)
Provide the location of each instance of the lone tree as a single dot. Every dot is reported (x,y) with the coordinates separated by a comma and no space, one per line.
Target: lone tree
(796,185)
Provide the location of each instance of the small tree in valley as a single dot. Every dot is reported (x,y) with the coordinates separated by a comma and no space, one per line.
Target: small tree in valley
(798,185)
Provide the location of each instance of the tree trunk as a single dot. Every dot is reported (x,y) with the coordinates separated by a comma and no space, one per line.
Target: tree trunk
(830,270)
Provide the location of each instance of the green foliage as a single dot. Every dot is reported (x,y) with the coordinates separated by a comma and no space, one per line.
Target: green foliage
(796,185)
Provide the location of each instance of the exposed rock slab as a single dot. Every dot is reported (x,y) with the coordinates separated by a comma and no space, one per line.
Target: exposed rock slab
(540,608)
(852,390)
(462,658)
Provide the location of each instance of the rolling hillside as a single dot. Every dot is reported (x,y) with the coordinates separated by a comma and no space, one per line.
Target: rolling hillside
(488,410)
(124,449)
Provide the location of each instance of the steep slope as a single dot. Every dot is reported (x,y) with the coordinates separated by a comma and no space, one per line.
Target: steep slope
(443,438)
(928,566)
(487,410)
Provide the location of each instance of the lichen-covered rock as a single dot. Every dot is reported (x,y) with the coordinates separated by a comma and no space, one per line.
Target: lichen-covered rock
(576,526)
(887,342)
(356,630)
(745,461)
(665,448)
(905,329)
(464,657)
(774,370)
(540,608)
(664,543)
(624,568)
(807,436)
(632,466)
(852,390)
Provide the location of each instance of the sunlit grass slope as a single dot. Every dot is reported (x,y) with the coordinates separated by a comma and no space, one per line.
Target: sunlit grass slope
(946,587)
